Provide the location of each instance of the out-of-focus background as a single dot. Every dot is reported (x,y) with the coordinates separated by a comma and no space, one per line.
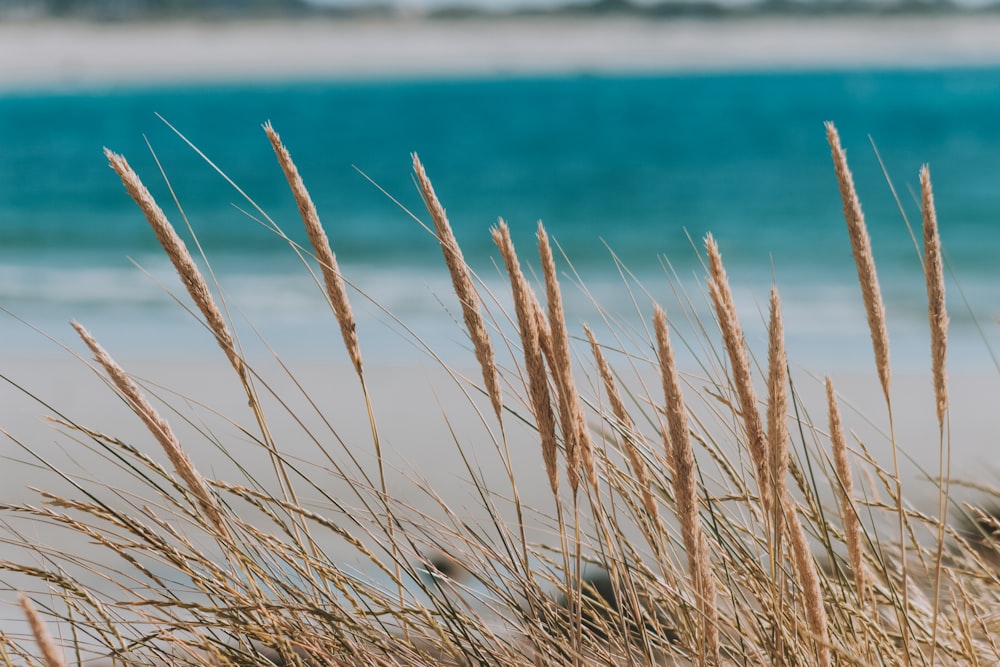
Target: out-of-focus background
(631,129)
(626,127)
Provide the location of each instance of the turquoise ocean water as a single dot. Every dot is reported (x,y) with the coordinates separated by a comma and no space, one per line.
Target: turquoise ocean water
(640,165)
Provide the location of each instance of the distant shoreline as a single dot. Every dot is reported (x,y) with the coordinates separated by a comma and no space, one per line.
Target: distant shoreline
(59,55)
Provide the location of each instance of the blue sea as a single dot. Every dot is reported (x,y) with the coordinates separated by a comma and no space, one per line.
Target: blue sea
(637,168)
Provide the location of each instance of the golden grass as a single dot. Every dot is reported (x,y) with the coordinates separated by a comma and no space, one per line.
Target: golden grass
(335,290)
(719,549)
(624,422)
(178,254)
(681,459)
(51,656)
(861,246)
(735,344)
(575,433)
(871,295)
(938,316)
(464,289)
(526,308)
(845,492)
(159,428)
(934,272)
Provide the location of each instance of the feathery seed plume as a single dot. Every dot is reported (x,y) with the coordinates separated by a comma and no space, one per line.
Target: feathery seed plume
(335,288)
(51,655)
(538,386)
(805,568)
(575,432)
(159,428)
(863,259)
(681,456)
(178,253)
(777,398)
(464,288)
(852,526)
(934,270)
(732,336)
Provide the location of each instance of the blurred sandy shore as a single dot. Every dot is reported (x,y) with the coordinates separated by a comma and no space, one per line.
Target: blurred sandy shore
(423,413)
(424,417)
(48,54)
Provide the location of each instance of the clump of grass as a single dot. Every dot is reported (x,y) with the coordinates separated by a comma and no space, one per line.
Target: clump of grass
(698,533)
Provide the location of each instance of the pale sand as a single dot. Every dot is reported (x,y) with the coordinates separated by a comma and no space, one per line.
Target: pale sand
(421,412)
(68,54)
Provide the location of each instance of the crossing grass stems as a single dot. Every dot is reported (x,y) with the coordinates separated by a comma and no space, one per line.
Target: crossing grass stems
(712,545)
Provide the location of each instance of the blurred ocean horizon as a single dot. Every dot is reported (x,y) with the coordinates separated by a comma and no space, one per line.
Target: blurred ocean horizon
(643,166)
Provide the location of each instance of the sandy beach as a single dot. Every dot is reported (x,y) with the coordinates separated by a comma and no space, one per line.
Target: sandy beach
(422,413)
(45,54)
(424,417)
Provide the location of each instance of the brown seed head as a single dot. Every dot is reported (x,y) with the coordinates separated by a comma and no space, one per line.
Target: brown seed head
(160,430)
(863,258)
(575,432)
(336,291)
(852,525)
(51,655)
(934,272)
(538,386)
(178,253)
(777,395)
(732,337)
(464,288)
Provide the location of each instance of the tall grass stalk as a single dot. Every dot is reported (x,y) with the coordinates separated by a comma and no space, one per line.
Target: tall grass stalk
(464,289)
(789,519)
(938,316)
(681,458)
(735,346)
(871,295)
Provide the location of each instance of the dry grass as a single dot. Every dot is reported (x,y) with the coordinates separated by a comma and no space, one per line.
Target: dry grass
(160,429)
(51,655)
(934,271)
(680,456)
(630,441)
(576,436)
(741,373)
(719,549)
(177,252)
(464,289)
(525,307)
(871,295)
(845,492)
(861,245)
(335,289)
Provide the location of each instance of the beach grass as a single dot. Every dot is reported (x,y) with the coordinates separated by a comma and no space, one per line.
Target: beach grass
(703,518)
